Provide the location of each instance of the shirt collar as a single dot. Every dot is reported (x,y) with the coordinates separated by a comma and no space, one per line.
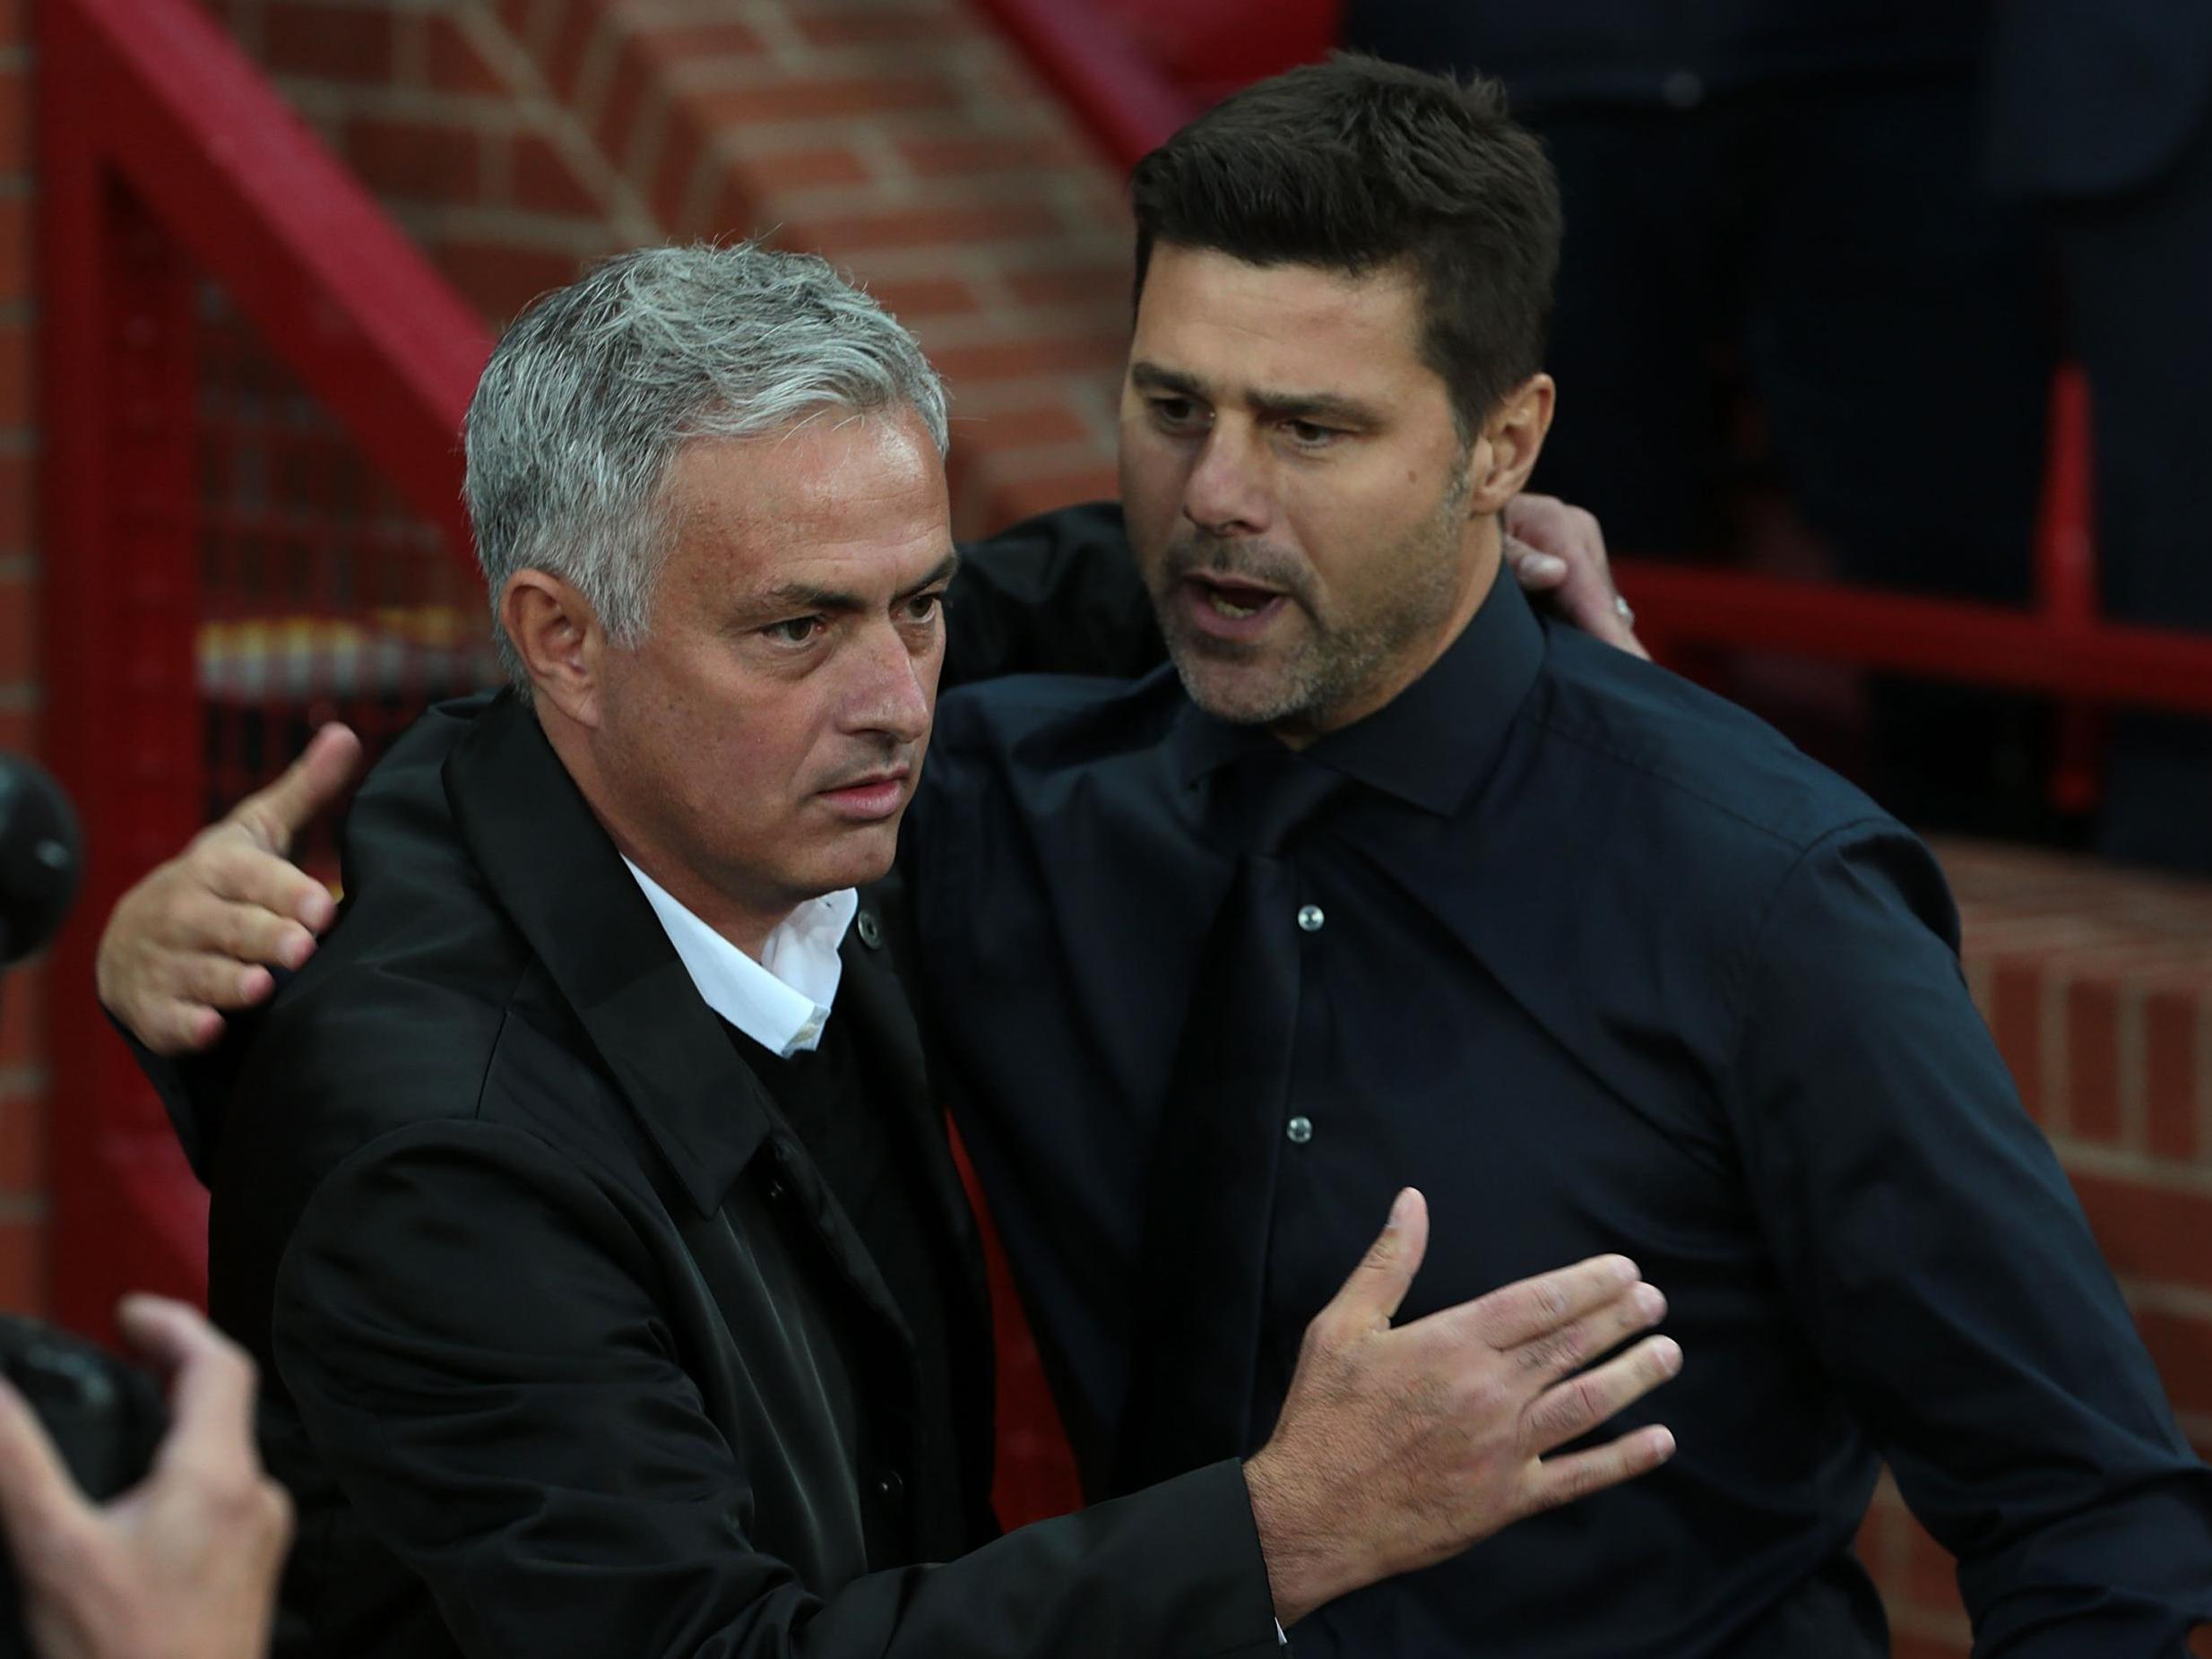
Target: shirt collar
(782,1001)
(1432,744)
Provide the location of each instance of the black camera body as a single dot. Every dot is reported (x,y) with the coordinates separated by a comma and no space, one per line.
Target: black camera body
(104,1414)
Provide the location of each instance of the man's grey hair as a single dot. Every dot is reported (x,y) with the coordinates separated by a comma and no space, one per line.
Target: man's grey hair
(591,395)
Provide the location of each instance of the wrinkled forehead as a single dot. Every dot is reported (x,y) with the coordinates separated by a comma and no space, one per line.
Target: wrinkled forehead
(860,493)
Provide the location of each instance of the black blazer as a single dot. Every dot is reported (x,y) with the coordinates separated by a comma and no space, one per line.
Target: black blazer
(567,1349)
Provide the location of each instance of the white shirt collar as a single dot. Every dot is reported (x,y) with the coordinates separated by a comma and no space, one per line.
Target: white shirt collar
(782,1001)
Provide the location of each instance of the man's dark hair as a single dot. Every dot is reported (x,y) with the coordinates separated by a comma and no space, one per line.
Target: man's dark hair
(1355,164)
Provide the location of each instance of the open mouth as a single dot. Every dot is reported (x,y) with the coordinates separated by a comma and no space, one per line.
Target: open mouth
(1226,606)
(1247,606)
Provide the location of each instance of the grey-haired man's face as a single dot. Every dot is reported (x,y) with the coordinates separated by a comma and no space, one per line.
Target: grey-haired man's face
(767,733)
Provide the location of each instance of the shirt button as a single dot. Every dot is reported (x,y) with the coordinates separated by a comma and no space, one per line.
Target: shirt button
(1310,918)
(1682,91)
(870,929)
(1300,1131)
(891,1486)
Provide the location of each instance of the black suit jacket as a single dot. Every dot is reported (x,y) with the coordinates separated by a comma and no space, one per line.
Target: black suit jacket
(567,1349)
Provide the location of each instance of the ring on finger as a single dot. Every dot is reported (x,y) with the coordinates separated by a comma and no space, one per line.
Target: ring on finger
(1621,609)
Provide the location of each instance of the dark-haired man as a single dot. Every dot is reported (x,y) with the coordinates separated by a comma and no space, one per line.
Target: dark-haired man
(1389,877)
(1392,879)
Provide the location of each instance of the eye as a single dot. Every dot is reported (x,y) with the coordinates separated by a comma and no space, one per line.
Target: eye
(923,608)
(793,631)
(1306,434)
(1173,413)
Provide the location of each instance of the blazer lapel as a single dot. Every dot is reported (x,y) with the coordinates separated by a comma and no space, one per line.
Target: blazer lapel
(563,885)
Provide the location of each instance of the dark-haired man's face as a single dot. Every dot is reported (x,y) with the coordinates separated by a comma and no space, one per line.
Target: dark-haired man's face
(1312,527)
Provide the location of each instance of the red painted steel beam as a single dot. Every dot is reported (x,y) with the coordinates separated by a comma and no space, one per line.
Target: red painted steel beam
(1129,108)
(1679,607)
(352,308)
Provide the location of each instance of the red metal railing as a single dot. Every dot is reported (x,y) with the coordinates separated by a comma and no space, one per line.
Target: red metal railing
(252,387)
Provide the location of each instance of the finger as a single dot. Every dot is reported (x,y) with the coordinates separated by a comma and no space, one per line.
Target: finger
(237,867)
(1535,571)
(170,1025)
(274,815)
(36,1496)
(211,1381)
(201,978)
(1569,1409)
(1543,523)
(1577,1475)
(1371,1297)
(200,923)
(1557,1352)
(223,983)
(1529,1309)
(1587,597)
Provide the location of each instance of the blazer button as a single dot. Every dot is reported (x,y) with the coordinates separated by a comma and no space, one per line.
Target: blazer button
(870,929)
(891,1486)
(774,1190)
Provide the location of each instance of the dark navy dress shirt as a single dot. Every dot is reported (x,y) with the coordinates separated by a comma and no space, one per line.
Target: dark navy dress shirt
(1599,963)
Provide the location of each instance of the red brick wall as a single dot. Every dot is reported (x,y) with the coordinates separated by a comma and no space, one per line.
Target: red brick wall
(899,137)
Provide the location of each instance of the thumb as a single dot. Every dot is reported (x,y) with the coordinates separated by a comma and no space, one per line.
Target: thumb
(274,815)
(1535,570)
(1378,1285)
(36,1496)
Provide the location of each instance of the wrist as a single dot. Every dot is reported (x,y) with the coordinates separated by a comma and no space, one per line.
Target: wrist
(1306,1557)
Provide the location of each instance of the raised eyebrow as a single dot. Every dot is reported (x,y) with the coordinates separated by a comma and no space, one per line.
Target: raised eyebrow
(947,569)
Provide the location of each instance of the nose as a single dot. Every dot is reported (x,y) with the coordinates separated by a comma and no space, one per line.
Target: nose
(1227,491)
(895,687)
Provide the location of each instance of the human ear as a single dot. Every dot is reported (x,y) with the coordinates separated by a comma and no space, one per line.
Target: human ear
(1512,439)
(558,635)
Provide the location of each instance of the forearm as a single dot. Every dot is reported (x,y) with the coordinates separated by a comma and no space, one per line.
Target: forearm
(1057,594)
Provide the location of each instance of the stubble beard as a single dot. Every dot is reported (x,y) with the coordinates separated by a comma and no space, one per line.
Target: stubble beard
(1338,658)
